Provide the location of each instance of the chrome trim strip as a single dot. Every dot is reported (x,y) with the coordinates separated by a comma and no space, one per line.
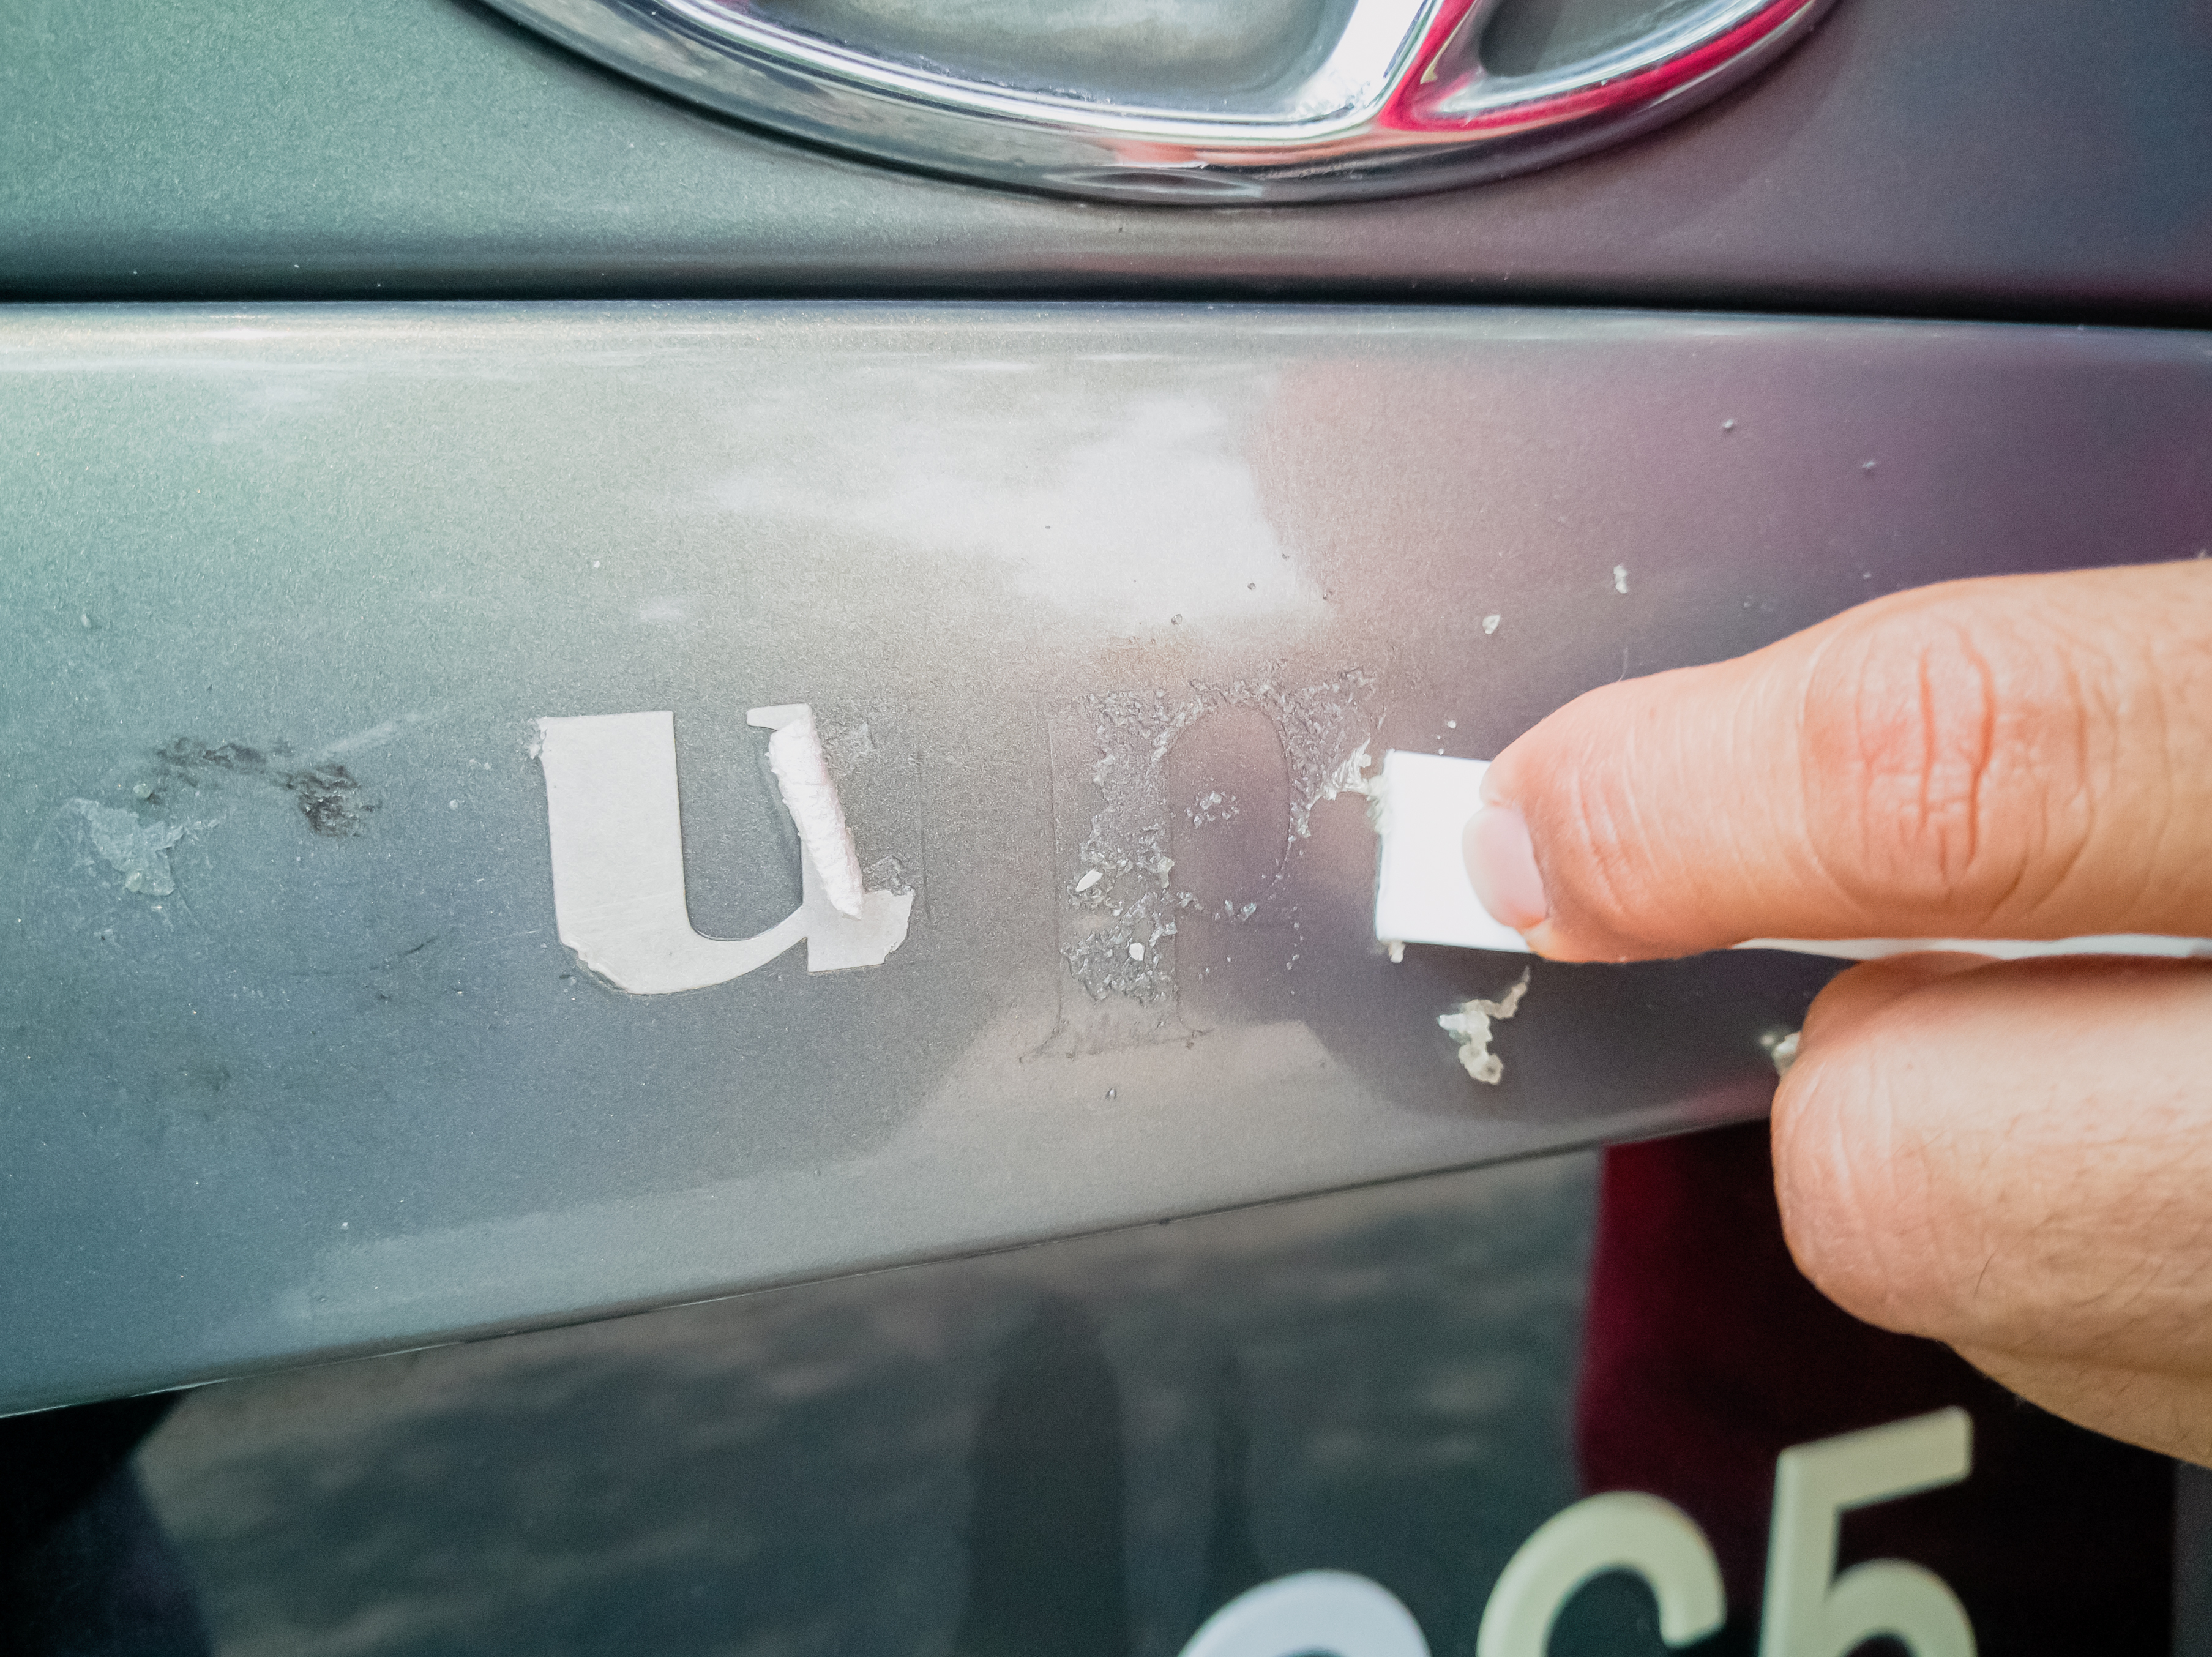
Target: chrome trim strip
(1401,103)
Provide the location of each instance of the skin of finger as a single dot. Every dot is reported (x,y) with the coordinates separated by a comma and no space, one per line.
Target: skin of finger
(1862,992)
(2171,1414)
(2015,1158)
(2020,757)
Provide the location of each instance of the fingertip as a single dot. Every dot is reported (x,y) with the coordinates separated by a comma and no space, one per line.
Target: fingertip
(1869,988)
(1493,779)
(1501,865)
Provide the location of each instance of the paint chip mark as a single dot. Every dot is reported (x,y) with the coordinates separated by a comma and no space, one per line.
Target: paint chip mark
(1620,577)
(1490,624)
(1470,1026)
(1088,881)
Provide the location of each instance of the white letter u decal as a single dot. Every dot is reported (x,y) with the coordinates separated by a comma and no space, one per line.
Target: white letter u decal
(617,839)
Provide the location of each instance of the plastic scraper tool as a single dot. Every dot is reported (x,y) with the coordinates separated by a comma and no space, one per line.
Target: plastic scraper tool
(1420,804)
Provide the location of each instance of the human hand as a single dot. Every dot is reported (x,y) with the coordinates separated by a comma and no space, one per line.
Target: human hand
(2013,1159)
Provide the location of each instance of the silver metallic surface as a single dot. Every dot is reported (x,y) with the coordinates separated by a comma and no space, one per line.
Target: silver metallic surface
(293,1063)
(1398,100)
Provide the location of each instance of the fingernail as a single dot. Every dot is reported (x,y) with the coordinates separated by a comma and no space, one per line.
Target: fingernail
(1501,861)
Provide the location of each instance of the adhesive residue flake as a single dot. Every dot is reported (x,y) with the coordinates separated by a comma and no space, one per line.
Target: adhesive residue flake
(1124,890)
(1471,1023)
(1782,1048)
(136,844)
(135,849)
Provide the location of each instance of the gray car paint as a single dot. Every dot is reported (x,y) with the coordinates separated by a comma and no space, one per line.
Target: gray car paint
(342,1090)
(1985,156)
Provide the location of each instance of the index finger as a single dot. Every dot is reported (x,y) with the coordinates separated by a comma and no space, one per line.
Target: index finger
(2022,756)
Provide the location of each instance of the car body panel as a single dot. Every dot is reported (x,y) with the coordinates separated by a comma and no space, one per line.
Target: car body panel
(1991,157)
(287,590)
(325,1080)
(1380,1382)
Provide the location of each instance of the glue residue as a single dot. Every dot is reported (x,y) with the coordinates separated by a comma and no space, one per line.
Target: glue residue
(1127,894)
(137,850)
(1470,1025)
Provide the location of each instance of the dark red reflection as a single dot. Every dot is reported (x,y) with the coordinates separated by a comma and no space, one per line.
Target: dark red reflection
(1707,1354)
(1413,105)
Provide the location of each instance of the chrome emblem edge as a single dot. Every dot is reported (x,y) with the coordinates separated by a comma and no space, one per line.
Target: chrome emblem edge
(1401,103)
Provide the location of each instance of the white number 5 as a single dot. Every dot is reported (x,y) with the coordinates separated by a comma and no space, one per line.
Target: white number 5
(1810,1612)
(1809,1615)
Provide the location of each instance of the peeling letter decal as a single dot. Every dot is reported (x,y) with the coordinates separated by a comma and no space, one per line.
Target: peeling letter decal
(802,772)
(617,844)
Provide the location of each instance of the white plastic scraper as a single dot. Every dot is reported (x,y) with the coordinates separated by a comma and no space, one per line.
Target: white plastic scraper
(1420,805)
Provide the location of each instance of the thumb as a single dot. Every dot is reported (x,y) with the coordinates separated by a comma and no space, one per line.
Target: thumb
(2023,756)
